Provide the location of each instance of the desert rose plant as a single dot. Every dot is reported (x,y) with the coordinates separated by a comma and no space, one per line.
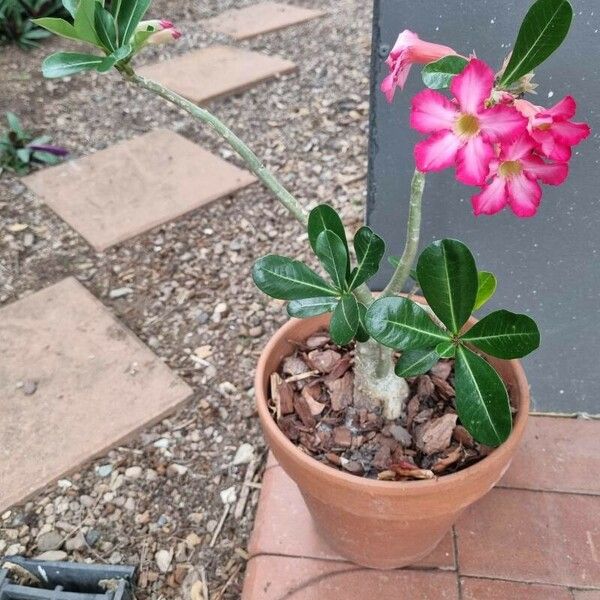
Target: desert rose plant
(473,120)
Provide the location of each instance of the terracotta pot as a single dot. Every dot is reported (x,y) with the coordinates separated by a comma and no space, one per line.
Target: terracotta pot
(382,524)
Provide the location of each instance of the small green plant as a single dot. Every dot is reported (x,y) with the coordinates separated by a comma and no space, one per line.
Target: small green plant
(19,150)
(16,25)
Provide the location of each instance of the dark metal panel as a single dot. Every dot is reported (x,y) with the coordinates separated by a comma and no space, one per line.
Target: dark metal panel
(548,266)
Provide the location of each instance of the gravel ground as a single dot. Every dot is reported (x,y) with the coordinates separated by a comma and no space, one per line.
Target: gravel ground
(157,503)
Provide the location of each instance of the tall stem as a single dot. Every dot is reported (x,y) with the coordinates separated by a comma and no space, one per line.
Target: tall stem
(413,232)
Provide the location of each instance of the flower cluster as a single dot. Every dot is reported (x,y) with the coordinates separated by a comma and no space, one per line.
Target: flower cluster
(499,142)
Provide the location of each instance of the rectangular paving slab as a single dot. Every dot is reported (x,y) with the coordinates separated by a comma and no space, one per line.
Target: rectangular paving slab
(74,381)
(256,19)
(218,71)
(135,185)
(547,266)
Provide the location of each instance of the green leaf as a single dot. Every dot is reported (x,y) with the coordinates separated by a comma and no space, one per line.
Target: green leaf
(311,307)
(109,61)
(105,28)
(58,27)
(369,252)
(394,261)
(416,362)
(437,75)
(504,334)
(486,287)
(24,154)
(70,6)
(128,13)
(332,254)
(448,277)
(481,399)
(324,217)
(288,279)
(543,30)
(362,335)
(344,321)
(62,64)
(14,124)
(84,21)
(446,349)
(402,324)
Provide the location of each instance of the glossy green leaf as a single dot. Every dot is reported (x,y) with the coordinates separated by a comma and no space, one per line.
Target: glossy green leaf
(416,362)
(70,6)
(128,13)
(109,61)
(369,252)
(394,261)
(311,307)
(14,124)
(324,217)
(448,277)
(332,254)
(58,27)
(486,288)
(437,75)
(402,324)
(543,30)
(106,29)
(288,279)
(362,335)
(504,334)
(481,399)
(344,321)
(62,64)
(85,23)
(446,349)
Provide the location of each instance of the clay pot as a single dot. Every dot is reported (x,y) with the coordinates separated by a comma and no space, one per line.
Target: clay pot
(382,524)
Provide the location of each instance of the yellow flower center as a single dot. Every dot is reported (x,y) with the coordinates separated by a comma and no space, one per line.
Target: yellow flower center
(510,168)
(544,126)
(467,125)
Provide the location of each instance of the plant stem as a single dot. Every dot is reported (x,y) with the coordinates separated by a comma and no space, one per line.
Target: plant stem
(413,231)
(253,162)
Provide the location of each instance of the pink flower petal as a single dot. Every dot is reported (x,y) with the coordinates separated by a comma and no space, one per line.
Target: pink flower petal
(473,86)
(473,161)
(431,111)
(551,173)
(388,87)
(502,123)
(547,146)
(437,152)
(569,133)
(519,148)
(491,199)
(563,109)
(524,195)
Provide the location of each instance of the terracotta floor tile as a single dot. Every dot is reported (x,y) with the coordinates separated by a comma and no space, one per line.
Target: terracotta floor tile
(558,455)
(256,19)
(284,526)
(135,185)
(216,71)
(279,578)
(586,594)
(532,536)
(493,589)
(97,384)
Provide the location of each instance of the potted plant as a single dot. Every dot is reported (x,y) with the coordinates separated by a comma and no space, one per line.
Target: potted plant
(391,413)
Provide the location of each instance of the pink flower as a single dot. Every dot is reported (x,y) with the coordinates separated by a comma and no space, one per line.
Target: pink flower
(551,128)
(464,130)
(164,31)
(515,179)
(407,50)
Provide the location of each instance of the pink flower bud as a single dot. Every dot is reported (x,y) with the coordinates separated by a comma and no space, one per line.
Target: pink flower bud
(409,49)
(164,36)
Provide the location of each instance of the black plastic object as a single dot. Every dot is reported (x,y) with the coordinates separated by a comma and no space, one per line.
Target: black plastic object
(66,580)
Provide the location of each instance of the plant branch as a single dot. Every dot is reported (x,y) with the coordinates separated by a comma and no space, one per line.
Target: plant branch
(413,231)
(251,160)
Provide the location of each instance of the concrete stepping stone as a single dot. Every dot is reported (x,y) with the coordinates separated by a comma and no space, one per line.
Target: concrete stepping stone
(217,71)
(256,19)
(535,536)
(74,382)
(135,185)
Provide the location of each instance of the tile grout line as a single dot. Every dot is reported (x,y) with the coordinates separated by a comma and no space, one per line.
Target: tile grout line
(537,491)
(561,586)
(456,562)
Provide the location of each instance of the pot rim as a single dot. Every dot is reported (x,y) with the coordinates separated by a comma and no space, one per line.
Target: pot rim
(501,454)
